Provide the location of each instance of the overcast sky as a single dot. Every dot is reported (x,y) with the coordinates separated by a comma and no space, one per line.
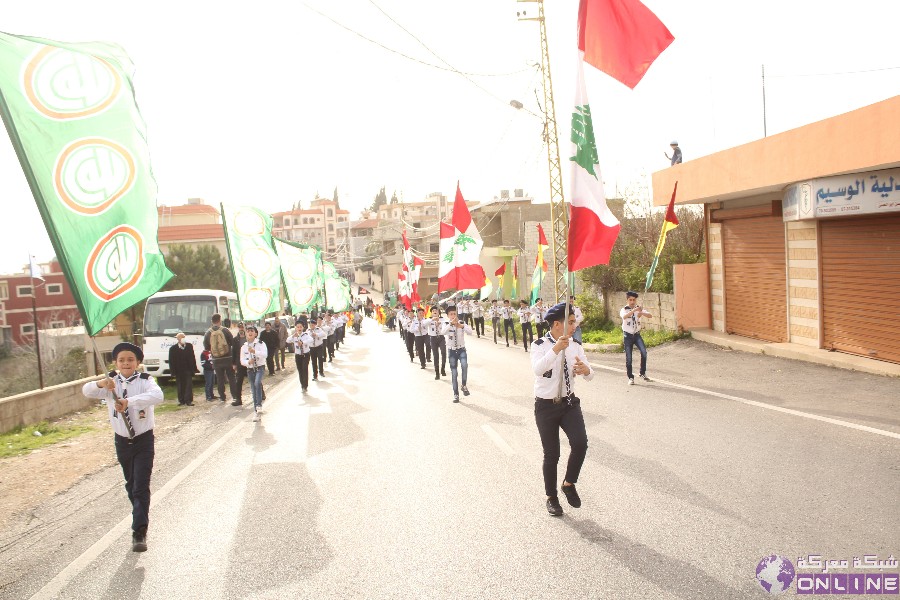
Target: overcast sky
(272,103)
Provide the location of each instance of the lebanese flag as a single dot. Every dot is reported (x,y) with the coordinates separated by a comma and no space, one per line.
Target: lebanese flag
(403,289)
(593,229)
(460,250)
(413,266)
(622,38)
(418,263)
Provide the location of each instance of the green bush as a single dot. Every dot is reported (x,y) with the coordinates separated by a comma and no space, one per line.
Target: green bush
(614,336)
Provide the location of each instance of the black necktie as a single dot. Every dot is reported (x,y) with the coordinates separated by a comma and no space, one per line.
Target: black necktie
(125,416)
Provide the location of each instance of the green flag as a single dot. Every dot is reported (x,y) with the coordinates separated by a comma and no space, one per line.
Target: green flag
(71,114)
(337,297)
(299,263)
(254,264)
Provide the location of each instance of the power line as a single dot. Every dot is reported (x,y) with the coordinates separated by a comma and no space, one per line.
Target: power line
(440,58)
(406,56)
(833,73)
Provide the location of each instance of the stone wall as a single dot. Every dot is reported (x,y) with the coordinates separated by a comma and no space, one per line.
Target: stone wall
(40,405)
(803,283)
(661,306)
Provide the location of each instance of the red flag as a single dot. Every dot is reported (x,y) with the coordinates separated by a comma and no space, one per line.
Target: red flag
(622,38)
(501,271)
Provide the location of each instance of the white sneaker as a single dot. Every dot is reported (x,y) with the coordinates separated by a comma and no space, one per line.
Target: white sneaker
(631,381)
(256,416)
(259,410)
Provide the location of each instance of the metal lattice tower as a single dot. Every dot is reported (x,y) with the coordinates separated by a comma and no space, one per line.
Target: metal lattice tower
(559,215)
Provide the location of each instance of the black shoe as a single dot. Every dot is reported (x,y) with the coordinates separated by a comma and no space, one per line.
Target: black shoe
(223,399)
(236,403)
(139,540)
(422,367)
(572,495)
(553,507)
(443,373)
(465,391)
(191,403)
(645,378)
(436,376)
(456,398)
(210,399)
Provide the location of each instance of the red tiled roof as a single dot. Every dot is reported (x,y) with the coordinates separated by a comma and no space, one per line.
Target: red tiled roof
(173,233)
(187,209)
(366,224)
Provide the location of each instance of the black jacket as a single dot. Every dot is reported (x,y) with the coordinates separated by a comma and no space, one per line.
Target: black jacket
(269,337)
(182,361)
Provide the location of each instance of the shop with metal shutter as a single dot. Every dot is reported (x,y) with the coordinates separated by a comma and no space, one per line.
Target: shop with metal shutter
(860,267)
(754,272)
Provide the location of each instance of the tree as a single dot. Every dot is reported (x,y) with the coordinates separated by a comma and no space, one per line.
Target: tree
(197,267)
(394,199)
(335,197)
(633,253)
(380,198)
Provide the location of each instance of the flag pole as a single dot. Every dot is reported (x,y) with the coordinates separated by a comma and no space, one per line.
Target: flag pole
(37,337)
(237,289)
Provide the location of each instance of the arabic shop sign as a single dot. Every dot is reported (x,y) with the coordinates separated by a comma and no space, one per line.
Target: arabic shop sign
(866,193)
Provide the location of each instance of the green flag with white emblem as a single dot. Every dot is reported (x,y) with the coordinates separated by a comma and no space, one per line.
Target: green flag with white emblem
(299,266)
(337,295)
(254,264)
(71,114)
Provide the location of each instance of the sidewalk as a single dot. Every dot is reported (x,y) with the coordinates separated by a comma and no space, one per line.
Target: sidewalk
(798,352)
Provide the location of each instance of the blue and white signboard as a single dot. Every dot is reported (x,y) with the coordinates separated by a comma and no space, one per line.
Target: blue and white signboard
(867,193)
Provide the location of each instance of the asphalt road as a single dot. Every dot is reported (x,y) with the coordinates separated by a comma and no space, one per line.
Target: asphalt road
(375,485)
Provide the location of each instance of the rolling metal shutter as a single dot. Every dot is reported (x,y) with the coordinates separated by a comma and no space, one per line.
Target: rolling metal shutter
(861,286)
(755,278)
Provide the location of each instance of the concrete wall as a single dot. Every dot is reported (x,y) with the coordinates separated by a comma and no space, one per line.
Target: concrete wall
(39,405)
(661,306)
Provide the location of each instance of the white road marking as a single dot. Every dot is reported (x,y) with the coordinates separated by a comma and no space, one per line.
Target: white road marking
(53,587)
(498,440)
(789,411)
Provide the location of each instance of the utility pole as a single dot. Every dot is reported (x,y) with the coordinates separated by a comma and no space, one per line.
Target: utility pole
(559,215)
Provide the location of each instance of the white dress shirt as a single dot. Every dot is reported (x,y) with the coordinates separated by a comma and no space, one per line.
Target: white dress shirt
(435,328)
(547,366)
(303,341)
(477,310)
(318,335)
(142,393)
(258,359)
(631,324)
(524,315)
(456,336)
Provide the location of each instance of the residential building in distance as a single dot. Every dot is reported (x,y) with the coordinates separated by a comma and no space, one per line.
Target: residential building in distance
(193,224)
(324,224)
(54,302)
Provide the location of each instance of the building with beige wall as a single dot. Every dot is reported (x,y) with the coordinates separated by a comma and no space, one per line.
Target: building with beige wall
(803,232)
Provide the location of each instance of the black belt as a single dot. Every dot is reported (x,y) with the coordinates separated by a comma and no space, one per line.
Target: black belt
(131,440)
(555,401)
